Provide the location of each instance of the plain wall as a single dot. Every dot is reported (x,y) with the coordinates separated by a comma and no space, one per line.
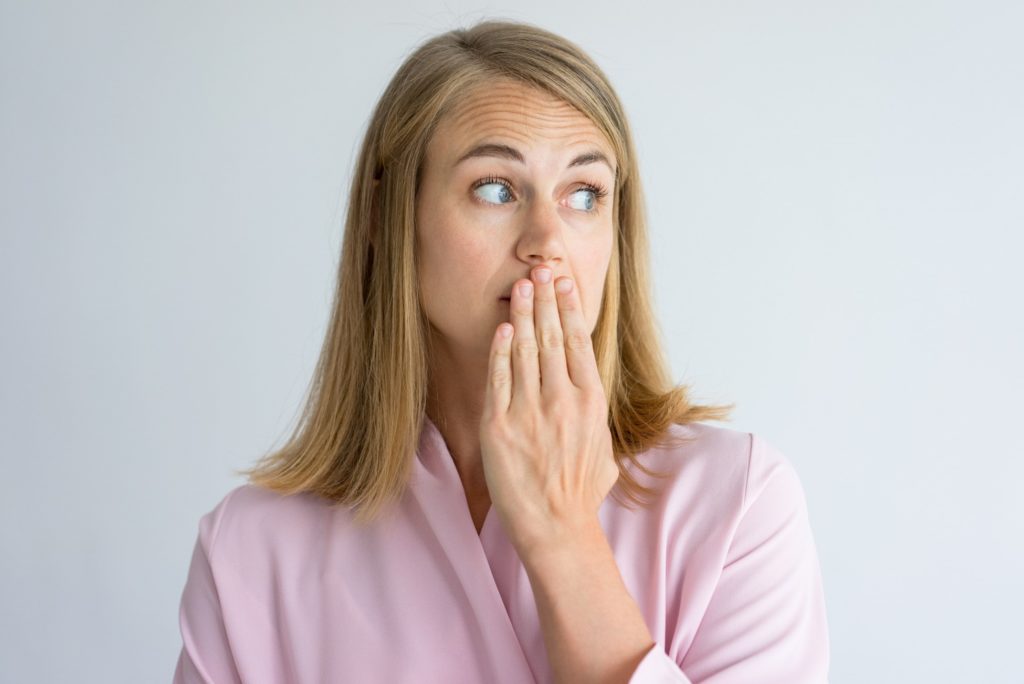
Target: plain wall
(835,201)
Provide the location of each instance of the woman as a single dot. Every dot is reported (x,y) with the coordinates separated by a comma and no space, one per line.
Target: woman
(493,480)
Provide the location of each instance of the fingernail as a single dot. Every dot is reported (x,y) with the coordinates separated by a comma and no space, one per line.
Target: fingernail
(543,275)
(564,285)
(526,289)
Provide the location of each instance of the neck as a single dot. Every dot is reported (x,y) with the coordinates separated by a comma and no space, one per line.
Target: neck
(455,397)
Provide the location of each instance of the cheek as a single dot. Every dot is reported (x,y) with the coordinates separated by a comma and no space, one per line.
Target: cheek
(454,273)
(440,249)
(592,269)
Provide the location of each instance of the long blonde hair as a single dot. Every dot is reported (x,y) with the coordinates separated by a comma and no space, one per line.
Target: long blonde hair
(366,402)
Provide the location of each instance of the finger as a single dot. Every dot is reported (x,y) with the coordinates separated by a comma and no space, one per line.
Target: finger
(525,371)
(498,394)
(550,338)
(579,347)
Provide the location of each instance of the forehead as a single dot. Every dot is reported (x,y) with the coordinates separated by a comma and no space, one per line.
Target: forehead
(515,113)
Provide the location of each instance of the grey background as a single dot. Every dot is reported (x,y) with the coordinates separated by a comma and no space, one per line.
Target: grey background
(835,201)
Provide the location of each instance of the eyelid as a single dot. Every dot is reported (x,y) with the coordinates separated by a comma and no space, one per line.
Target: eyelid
(490,180)
(595,188)
(487,180)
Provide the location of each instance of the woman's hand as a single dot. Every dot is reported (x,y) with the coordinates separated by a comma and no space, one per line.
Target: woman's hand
(544,437)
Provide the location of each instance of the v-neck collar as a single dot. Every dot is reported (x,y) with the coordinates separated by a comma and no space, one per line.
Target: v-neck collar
(436,457)
(437,489)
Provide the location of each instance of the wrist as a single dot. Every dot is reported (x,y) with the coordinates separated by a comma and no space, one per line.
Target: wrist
(564,543)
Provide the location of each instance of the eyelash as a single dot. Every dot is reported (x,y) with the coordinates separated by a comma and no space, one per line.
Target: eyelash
(599,191)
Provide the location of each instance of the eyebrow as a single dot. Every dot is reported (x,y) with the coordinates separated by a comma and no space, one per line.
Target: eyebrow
(511,153)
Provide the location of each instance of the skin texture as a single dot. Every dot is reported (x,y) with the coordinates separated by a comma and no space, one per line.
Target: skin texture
(524,415)
(471,253)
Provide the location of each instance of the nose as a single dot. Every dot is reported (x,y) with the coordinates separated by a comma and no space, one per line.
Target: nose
(541,240)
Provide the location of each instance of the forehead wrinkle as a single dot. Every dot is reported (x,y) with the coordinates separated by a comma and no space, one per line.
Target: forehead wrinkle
(508,111)
(517,104)
(516,130)
(500,111)
(502,128)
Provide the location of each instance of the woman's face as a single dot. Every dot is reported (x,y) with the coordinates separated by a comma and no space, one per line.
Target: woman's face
(507,185)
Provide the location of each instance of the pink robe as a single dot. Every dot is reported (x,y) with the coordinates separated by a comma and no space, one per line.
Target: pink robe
(723,567)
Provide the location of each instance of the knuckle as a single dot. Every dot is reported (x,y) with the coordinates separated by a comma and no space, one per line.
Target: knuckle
(500,377)
(577,340)
(525,348)
(551,339)
(556,408)
(522,308)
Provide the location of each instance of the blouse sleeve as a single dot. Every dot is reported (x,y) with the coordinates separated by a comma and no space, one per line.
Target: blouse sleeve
(766,619)
(205,656)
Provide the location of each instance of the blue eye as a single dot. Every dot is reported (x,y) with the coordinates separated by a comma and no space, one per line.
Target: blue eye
(495,190)
(590,200)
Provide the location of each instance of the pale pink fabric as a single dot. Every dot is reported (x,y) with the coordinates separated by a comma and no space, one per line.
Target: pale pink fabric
(723,567)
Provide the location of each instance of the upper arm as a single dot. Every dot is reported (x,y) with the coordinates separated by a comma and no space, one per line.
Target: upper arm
(766,619)
(206,655)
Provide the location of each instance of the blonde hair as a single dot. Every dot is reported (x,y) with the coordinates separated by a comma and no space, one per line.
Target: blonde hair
(365,405)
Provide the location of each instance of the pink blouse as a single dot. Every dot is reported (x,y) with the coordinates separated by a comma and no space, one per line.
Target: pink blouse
(723,567)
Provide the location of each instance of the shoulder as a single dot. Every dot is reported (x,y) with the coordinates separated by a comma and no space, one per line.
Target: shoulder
(251,524)
(697,455)
(717,472)
(699,451)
